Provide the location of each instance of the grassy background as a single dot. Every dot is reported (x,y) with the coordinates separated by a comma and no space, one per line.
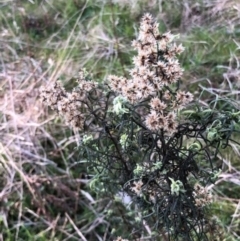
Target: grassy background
(43,191)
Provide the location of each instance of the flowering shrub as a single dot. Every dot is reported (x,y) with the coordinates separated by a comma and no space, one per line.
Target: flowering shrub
(146,137)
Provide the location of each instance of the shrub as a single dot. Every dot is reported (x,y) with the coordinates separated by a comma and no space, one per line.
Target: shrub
(145,137)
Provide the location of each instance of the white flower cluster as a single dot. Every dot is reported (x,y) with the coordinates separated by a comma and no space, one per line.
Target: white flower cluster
(156,68)
(72,106)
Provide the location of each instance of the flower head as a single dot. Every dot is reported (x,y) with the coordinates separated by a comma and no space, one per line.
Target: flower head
(157,105)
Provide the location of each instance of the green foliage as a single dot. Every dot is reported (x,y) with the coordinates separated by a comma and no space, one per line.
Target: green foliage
(206,50)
